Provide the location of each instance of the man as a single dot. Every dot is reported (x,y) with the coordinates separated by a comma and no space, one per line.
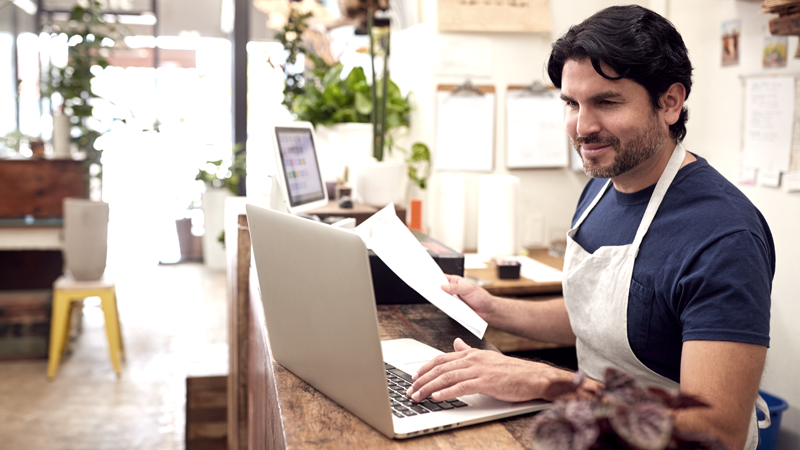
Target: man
(669,267)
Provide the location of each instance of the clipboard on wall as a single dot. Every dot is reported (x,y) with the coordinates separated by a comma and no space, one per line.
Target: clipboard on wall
(535,136)
(465,128)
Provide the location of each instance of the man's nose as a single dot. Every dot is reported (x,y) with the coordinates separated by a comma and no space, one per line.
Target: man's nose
(587,122)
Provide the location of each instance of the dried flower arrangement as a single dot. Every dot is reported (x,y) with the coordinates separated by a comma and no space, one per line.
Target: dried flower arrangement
(621,415)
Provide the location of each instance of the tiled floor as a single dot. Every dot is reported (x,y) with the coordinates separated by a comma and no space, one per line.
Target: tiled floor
(173,323)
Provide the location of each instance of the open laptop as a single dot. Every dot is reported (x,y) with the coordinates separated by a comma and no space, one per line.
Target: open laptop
(322,324)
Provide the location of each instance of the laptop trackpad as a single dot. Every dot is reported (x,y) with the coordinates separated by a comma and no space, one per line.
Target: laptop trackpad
(408,354)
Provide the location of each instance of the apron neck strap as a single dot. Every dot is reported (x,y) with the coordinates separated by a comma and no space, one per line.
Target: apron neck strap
(660,191)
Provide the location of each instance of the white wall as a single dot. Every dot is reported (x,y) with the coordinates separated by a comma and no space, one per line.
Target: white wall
(547,196)
(714,132)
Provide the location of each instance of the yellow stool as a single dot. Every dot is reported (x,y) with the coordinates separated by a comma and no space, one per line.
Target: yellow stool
(66,291)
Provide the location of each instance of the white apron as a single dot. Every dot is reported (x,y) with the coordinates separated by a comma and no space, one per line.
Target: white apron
(596,288)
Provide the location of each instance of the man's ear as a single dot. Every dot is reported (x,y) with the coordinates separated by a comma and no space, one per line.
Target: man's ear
(672,102)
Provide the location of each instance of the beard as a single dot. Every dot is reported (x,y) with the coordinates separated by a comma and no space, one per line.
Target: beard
(627,155)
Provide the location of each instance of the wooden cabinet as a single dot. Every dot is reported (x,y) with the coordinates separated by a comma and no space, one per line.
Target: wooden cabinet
(37,187)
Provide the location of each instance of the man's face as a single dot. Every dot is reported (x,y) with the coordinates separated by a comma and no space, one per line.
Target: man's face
(611,124)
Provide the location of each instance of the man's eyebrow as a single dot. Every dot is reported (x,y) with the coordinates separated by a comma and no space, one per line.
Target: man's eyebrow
(605,95)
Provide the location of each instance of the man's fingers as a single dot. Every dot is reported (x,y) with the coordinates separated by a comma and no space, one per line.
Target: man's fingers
(460,345)
(437,361)
(439,375)
(454,279)
(444,385)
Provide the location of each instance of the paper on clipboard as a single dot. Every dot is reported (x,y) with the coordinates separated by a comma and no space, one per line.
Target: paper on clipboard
(536,136)
(397,247)
(464,132)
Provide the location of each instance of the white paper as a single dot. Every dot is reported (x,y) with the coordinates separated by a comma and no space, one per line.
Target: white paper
(536,136)
(792,181)
(397,247)
(769,178)
(464,56)
(535,270)
(464,132)
(769,118)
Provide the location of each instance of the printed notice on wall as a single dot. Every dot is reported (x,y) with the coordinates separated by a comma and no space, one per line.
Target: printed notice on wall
(526,16)
(464,132)
(769,119)
(464,56)
(536,136)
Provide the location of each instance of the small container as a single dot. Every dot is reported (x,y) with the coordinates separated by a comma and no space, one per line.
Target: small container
(507,270)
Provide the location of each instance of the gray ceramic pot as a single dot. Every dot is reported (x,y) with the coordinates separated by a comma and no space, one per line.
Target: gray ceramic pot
(85,238)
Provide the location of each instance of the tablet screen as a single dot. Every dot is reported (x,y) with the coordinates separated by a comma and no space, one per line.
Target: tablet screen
(299,165)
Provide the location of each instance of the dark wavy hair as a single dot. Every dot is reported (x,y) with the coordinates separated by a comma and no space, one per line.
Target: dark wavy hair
(637,44)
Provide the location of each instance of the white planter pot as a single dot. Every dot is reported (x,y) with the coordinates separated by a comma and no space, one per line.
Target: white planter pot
(343,144)
(85,238)
(214,222)
(381,183)
(61,137)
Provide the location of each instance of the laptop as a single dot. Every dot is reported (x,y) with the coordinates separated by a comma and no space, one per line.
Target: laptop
(322,324)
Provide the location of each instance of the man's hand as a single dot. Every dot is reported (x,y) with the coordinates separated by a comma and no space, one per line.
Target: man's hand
(543,320)
(475,296)
(472,371)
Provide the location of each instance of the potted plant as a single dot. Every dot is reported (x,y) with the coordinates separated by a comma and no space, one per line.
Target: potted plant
(91,39)
(366,121)
(622,414)
(221,179)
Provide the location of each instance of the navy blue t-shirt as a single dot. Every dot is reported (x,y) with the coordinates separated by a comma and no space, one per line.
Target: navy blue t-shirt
(704,270)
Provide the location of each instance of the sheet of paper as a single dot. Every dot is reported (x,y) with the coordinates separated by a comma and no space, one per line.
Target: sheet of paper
(794,163)
(535,270)
(397,247)
(522,16)
(769,119)
(464,56)
(536,136)
(769,178)
(792,181)
(464,132)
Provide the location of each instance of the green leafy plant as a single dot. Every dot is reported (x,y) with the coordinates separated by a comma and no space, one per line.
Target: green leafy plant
(91,39)
(291,39)
(621,415)
(322,96)
(340,100)
(217,176)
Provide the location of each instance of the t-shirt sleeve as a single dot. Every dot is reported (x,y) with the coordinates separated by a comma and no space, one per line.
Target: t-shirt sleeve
(725,294)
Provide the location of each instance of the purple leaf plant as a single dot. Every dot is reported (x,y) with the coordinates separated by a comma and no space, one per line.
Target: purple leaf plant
(622,414)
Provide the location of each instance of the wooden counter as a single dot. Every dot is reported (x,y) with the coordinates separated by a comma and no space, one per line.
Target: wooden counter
(274,409)
(522,286)
(288,413)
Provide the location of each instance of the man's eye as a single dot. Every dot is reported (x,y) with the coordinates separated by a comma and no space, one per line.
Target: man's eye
(607,103)
(571,103)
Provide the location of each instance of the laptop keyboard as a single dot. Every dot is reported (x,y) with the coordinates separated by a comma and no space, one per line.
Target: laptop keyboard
(402,406)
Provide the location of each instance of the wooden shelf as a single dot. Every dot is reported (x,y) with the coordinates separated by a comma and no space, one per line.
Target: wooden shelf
(785,25)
